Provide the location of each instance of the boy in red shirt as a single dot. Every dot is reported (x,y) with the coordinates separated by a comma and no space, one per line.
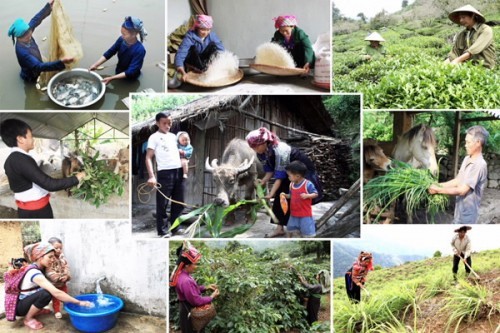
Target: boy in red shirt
(302,191)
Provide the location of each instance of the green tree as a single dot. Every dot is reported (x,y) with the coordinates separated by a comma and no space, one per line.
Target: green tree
(362,17)
(404,4)
(437,254)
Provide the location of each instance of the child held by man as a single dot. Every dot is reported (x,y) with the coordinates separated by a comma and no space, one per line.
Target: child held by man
(185,150)
(302,192)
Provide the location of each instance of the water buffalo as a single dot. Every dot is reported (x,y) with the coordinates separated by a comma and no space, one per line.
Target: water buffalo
(239,167)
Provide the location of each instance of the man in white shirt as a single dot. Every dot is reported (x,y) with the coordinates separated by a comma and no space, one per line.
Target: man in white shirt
(163,146)
(461,246)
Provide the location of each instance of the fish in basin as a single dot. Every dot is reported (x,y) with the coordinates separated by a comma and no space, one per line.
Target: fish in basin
(76,91)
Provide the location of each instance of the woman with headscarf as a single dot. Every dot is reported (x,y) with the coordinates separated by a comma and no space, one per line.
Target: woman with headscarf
(355,277)
(374,49)
(27,51)
(130,50)
(314,294)
(294,40)
(476,42)
(198,46)
(188,291)
(461,246)
(37,291)
(275,156)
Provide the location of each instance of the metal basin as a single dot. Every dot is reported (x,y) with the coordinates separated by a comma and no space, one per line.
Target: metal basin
(76,99)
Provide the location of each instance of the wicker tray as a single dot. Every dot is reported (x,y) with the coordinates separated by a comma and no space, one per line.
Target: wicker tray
(277,70)
(194,79)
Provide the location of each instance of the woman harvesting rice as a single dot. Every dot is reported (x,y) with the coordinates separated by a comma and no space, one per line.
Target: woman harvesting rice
(294,40)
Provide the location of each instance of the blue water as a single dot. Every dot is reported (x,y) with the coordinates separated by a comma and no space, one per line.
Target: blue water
(101,304)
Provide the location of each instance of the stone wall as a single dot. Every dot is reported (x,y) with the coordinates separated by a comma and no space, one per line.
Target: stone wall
(493,160)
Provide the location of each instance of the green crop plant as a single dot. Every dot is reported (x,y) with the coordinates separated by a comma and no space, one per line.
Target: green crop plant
(362,317)
(468,303)
(404,181)
(213,216)
(99,183)
(256,294)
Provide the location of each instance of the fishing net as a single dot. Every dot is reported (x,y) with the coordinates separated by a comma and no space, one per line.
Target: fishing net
(62,40)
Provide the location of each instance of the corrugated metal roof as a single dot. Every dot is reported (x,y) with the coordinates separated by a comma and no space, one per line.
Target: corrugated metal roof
(56,125)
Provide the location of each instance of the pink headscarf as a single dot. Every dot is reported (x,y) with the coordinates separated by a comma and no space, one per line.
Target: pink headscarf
(203,22)
(262,135)
(284,21)
(187,254)
(37,250)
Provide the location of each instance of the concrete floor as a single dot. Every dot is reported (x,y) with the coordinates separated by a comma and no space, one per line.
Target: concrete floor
(127,323)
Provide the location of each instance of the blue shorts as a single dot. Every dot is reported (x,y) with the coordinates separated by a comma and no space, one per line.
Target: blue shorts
(305,224)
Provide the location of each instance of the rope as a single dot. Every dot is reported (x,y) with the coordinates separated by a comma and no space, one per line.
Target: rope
(145,190)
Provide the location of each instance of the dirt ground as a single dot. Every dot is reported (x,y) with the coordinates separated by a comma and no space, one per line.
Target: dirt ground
(144,225)
(432,319)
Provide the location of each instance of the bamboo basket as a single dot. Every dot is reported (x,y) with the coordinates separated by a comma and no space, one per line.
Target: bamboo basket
(202,315)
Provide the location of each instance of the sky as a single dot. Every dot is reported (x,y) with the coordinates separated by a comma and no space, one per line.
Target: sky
(351,8)
(421,239)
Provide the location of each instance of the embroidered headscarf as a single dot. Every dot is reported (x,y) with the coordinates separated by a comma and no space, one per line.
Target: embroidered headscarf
(187,254)
(285,21)
(37,250)
(203,22)
(366,259)
(262,135)
(17,29)
(135,24)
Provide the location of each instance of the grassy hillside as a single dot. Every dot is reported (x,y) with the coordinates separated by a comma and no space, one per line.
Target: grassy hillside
(422,297)
(412,75)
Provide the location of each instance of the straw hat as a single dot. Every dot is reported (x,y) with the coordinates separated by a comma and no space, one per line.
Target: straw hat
(375,36)
(454,15)
(463,228)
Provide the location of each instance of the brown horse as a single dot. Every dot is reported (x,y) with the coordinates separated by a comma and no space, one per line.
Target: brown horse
(374,160)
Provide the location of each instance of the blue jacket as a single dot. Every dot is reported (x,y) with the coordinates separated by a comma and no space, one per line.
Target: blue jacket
(188,150)
(28,54)
(190,39)
(130,57)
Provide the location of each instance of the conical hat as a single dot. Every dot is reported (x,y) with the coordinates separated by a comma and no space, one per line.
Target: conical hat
(375,36)
(454,15)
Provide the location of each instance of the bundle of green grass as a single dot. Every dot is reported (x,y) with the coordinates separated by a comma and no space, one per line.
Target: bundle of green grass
(404,181)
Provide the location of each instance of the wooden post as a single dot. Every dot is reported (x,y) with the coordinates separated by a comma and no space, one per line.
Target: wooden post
(456,143)
(199,178)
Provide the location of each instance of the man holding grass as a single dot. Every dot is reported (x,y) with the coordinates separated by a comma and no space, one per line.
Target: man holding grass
(468,186)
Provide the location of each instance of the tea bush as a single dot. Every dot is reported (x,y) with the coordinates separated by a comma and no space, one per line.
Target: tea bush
(412,75)
(258,293)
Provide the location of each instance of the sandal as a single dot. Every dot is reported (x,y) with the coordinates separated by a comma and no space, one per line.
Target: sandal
(33,324)
(58,315)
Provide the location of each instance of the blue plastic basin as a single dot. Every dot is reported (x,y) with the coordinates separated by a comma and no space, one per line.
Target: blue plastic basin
(97,319)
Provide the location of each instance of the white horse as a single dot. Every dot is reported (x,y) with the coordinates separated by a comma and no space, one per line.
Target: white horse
(417,147)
